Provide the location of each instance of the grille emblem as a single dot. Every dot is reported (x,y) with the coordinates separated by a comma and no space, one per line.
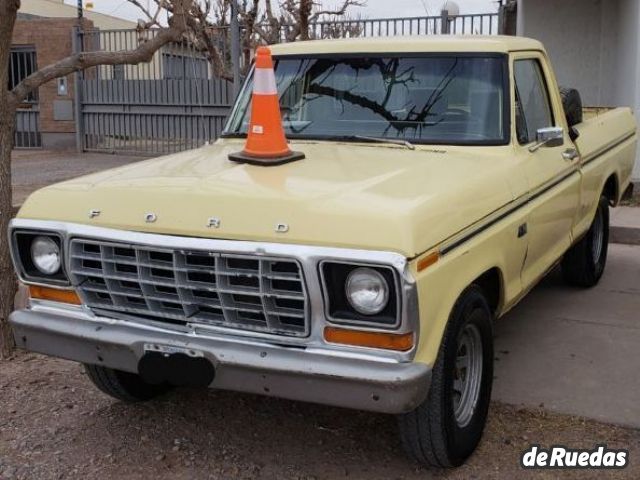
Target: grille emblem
(150,217)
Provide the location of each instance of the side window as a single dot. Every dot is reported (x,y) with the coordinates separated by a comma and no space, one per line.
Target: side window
(533,109)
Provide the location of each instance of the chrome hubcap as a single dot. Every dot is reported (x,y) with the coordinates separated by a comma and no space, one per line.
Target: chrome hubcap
(598,236)
(467,375)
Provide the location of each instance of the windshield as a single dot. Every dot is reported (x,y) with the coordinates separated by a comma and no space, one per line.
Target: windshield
(437,99)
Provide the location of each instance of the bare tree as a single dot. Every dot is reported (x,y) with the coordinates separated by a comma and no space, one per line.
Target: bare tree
(261,23)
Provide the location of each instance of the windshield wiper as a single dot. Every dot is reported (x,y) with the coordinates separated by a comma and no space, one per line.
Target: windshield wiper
(394,141)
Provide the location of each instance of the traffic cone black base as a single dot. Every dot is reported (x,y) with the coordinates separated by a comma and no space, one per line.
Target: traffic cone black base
(241,157)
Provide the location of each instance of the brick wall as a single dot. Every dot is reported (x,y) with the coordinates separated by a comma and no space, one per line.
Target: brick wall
(52,39)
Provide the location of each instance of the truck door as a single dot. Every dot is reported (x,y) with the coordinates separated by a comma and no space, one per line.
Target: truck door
(551,169)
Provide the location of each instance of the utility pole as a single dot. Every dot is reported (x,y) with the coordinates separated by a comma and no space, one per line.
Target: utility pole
(77,42)
(444,22)
(235,46)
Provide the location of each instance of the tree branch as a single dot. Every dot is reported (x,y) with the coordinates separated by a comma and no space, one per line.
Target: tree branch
(136,3)
(338,11)
(84,60)
(201,33)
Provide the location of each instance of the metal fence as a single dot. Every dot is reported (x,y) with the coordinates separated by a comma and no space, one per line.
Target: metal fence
(175,102)
(27,133)
(170,104)
(478,24)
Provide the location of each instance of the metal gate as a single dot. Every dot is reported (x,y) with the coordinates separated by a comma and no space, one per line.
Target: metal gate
(22,63)
(170,104)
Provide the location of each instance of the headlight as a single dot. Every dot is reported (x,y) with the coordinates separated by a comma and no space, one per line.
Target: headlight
(367,291)
(363,295)
(45,254)
(39,257)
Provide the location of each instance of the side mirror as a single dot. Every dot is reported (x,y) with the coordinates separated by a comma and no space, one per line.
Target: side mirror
(548,137)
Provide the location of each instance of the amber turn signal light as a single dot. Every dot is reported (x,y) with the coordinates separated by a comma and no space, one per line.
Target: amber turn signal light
(428,260)
(54,295)
(390,341)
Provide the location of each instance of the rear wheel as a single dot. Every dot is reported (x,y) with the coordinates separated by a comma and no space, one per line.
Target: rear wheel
(124,386)
(583,265)
(446,428)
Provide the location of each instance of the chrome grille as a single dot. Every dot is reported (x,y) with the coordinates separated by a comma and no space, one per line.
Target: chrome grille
(246,292)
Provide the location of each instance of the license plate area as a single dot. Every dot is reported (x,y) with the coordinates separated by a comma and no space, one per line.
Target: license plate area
(178,366)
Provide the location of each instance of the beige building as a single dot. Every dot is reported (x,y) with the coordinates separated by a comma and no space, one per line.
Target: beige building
(59,9)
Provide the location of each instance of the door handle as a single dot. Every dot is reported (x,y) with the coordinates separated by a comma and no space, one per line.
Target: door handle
(570,154)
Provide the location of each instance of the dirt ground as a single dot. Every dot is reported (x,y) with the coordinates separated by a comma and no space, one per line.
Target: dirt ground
(55,425)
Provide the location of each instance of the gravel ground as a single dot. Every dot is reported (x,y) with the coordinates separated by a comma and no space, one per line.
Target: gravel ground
(54,425)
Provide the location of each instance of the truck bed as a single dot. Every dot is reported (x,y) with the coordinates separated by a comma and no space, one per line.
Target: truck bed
(602,127)
(591,112)
(608,131)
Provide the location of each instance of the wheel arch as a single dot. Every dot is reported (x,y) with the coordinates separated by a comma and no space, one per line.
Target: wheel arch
(447,287)
(611,189)
(492,284)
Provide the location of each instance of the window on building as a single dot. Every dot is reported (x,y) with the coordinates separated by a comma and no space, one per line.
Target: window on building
(22,63)
(533,108)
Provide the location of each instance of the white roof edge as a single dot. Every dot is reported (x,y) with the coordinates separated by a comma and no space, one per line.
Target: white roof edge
(421,43)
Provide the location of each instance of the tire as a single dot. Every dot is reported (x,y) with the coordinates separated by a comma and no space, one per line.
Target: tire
(124,386)
(583,264)
(572,103)
(438,432)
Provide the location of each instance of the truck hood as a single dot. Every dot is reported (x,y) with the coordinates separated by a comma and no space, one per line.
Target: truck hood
(368,196)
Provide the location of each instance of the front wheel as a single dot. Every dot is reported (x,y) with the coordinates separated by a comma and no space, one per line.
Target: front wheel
(123,386)
(446,428)
(584,263)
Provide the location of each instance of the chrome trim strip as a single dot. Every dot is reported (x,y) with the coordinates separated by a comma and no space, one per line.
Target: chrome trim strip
(511,207)
(505,211)
(601,151)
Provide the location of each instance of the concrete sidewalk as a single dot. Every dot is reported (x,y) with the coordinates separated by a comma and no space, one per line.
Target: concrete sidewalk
(576,351)
(625,225)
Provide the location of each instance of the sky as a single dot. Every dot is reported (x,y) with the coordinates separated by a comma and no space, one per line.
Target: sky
(373,9)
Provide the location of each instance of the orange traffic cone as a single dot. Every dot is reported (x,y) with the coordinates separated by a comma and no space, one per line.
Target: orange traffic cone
(266,143)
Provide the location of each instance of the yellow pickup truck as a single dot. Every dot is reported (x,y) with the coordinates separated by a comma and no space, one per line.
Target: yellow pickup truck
(442,178)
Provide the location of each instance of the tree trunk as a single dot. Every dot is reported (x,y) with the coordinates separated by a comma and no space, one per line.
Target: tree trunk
(306,7)
(7,278)
(8,12)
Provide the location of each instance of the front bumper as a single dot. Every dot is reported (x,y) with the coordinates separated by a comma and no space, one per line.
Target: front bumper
(307,374)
